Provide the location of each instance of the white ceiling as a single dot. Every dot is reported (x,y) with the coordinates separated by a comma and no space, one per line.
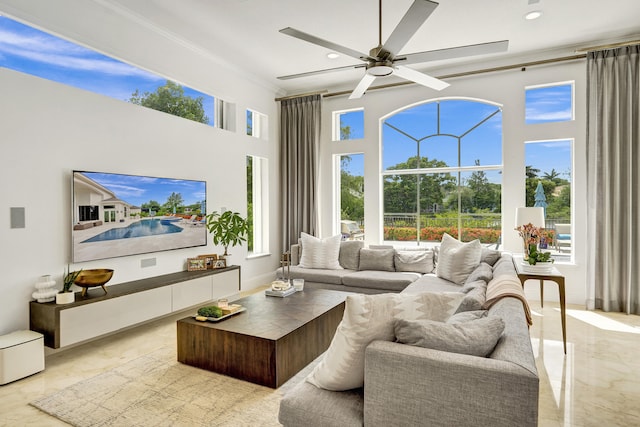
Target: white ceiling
(243,34)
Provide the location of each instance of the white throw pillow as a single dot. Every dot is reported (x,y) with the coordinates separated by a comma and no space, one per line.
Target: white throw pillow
(320,253)
(457,260)
(368,318)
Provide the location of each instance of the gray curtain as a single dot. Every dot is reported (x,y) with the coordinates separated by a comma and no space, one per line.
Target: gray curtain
(299,140)
(613,183)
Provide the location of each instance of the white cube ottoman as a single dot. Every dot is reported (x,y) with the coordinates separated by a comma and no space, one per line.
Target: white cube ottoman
(21,355)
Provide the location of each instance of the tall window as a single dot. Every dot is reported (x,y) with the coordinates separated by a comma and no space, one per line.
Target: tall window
(351,191)
(258,204)
(548,185)
(442,163)
(348,124)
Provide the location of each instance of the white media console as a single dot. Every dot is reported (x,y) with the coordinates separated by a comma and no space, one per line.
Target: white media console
(128,304)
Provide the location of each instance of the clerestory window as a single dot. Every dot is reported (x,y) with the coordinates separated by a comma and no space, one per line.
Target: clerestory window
(31,51)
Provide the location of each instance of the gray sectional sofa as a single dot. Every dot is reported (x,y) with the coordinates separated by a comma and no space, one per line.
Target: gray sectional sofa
(407,385)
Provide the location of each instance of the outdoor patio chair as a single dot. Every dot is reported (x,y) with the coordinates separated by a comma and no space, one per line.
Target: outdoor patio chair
(562,236)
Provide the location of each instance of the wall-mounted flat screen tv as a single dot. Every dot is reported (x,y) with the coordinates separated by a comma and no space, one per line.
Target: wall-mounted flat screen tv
(115,215)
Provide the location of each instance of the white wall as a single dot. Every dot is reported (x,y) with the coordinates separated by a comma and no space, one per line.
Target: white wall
(505,88)
(49,129)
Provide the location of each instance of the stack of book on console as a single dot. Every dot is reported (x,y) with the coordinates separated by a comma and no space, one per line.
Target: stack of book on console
(281,294)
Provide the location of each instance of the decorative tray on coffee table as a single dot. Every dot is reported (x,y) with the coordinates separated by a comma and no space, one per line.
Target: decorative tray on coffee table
(232,310)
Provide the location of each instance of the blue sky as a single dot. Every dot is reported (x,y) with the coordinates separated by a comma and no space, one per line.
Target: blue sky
(548,155)
(32,51)
(137,190)
(549,104)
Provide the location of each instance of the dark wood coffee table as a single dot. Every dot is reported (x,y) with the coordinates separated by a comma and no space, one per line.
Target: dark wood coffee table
(268,343)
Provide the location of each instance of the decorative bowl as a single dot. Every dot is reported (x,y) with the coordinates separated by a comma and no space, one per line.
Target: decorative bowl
(94,277)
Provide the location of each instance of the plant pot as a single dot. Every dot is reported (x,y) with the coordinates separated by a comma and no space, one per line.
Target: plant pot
(539,267)
(65,297)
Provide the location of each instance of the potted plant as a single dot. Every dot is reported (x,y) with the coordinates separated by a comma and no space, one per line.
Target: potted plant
(228,229)
(536,257)
(66,295)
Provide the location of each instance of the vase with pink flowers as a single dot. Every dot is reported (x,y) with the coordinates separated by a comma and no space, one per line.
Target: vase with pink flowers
(530,235)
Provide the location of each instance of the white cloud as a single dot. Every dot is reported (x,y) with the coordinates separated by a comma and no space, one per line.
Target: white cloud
(541,114)
(59,53)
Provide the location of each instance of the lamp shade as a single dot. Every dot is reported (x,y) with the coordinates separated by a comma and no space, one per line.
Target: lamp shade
(535,216)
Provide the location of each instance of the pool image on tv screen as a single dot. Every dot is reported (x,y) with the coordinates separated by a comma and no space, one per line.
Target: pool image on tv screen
(116,215)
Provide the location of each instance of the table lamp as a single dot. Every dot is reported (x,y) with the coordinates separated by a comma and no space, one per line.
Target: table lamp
(533,216)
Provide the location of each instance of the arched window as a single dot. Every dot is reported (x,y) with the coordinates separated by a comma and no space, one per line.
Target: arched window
(441,171)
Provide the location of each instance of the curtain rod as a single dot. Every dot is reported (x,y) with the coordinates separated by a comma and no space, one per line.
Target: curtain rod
(608,46)
(320,92)
(470,73)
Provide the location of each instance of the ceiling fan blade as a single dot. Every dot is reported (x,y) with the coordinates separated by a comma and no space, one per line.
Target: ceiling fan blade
(420,78)
(362,86)
(325,43)
(326,70)
(419,11)
(454,52)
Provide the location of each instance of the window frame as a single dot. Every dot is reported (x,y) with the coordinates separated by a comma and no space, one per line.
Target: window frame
(335,123)
(259,124)
(337,189)
(570,83)
(456,171)
(572,144)
(260,204)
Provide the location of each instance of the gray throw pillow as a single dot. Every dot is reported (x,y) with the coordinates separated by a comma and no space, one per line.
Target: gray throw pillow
(350,253)
(456,260)
(376,259)
(482,272)
(474,299)
(476,338)
(490,256)
(469,286)
(467,316)
(414,261)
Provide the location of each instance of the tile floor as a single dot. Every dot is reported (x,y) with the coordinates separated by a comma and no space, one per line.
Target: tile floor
(595,384)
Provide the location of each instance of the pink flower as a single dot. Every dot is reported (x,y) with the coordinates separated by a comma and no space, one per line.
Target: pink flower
(530,234)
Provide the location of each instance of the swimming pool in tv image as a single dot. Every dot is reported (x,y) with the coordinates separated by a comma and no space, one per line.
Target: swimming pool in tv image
(118,215)
(148,227)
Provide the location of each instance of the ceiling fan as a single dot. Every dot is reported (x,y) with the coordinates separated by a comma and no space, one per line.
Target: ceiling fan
(385,59)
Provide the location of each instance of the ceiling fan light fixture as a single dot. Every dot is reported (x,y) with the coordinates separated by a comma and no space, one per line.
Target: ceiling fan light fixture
(380,69)
(534,14)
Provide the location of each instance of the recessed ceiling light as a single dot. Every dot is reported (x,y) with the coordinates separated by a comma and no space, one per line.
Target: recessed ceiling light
(534,14)
(332,55)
